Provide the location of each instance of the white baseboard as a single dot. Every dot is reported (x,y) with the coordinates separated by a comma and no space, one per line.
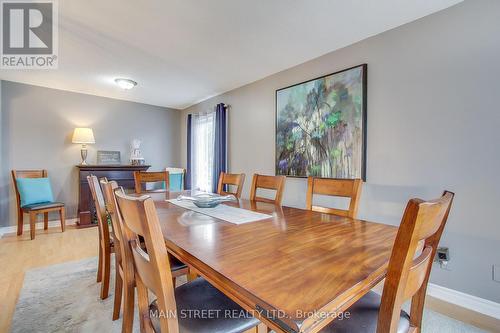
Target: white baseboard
(38,225)
(458,298)
(470,302)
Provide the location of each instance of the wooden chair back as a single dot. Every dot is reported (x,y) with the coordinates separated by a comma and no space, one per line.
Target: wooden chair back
(144,177)
(25,174)
(235,179)
(347,188)
(126,259)
(276,183)
(108,188)
(411,261)
(152,269)
(100,207)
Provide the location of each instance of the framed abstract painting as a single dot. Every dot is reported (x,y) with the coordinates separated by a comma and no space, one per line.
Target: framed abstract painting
(321,126)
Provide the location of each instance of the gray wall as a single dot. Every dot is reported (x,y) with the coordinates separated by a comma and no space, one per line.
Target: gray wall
(433,124)
(4,189)
(37,125)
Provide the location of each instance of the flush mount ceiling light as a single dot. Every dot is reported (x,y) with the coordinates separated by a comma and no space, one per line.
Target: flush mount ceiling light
(125,83)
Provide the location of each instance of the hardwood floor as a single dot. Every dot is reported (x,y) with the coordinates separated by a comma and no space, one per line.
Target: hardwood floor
(19,254)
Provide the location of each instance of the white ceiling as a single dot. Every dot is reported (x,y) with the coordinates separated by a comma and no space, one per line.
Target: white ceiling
(183,51)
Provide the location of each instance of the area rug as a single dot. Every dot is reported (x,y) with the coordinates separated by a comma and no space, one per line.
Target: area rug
(65,298)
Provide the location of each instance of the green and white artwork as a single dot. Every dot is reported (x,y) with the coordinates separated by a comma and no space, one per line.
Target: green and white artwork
(321,126)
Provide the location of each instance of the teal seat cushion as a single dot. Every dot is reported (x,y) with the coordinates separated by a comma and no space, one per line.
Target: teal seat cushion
(34,191)
(176,181)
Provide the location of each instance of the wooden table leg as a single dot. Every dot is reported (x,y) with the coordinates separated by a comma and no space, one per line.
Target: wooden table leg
(45,220)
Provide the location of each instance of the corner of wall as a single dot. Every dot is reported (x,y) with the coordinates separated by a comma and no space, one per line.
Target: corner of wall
(4,179)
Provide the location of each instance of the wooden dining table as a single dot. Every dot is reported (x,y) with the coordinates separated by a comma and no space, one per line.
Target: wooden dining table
(296,271)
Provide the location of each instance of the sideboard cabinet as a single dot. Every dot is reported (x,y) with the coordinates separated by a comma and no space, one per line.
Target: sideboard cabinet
(122,174)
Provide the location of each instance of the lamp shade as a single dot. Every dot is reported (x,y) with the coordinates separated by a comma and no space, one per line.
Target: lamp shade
(83,135)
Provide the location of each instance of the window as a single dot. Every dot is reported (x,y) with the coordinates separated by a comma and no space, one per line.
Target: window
(207,148)
(202,151)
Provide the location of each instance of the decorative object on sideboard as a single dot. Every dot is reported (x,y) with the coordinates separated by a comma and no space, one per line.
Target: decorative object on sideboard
(135,153)
(108,157)
(321,126)
(83,136)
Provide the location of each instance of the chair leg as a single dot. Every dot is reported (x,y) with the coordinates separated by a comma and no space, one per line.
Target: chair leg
(128,308)
(143,304)
(106,267)
(45,221)
(192,275)
(118,292)
(62,215)
(32,224)
(20,222)
(261,328)
(99,264)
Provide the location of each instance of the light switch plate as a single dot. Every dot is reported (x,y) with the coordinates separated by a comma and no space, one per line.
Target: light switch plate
(496,273)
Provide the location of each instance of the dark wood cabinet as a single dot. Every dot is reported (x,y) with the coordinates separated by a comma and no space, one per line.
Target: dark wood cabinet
(122,174)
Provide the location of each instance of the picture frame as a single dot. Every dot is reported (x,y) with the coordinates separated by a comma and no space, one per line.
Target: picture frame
(108,157)
(320,126)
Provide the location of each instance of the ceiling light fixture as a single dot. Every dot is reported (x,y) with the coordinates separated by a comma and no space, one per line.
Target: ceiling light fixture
(125,83)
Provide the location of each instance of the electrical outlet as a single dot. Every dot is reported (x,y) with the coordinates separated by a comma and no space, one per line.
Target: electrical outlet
(442,255)
(496,273)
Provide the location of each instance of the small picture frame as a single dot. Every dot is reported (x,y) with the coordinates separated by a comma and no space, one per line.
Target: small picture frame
(108,157)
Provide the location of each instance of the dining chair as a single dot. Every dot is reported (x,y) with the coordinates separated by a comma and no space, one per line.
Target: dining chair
(39,203)
(152,274)
(347,188)
(144,177)
(125,267)
(276,183)
(108,242)
(407,274)
(230,179)
(124,275)
(176,178)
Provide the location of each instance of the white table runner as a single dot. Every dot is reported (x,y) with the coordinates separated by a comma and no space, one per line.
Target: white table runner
(224,212)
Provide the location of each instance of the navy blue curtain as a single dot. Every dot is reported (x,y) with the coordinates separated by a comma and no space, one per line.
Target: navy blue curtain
(188,169)
(220,162)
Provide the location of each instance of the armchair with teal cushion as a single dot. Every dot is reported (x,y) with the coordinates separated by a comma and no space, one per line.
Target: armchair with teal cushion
(34,196)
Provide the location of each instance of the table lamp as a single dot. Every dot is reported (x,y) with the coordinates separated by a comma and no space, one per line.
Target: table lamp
(83,136)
